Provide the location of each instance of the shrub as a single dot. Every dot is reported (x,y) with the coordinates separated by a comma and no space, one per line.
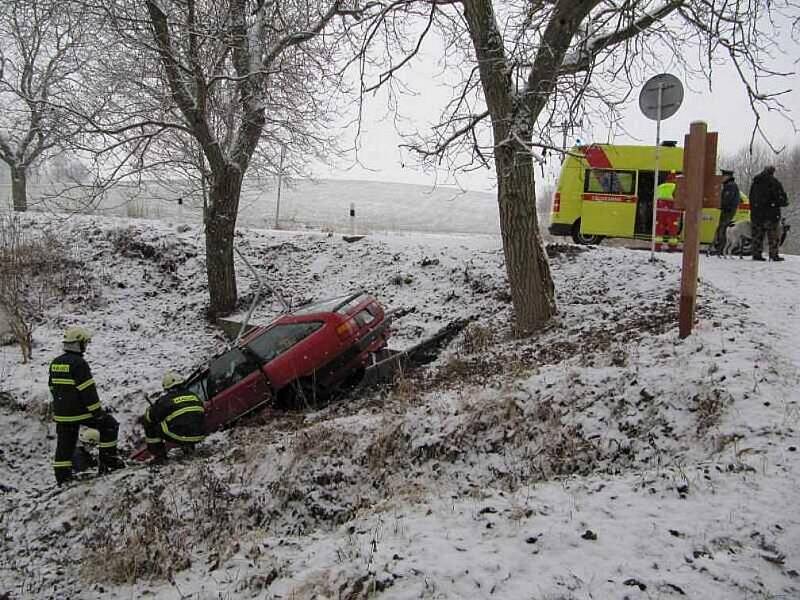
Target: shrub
(32,267)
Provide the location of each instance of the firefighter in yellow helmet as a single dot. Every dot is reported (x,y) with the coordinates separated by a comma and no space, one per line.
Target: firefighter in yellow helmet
(176,417)
(76,403)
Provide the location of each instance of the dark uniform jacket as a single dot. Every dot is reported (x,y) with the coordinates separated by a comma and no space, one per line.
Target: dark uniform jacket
(180,415)
(766,198)
(730,197)
(74,393)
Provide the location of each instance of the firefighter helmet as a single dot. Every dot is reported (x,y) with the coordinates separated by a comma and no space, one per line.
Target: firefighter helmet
(171,379)
(89,436)
(77,334)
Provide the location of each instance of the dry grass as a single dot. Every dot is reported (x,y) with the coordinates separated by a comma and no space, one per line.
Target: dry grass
(405,389)
(708,407)
(151,534)
(144,542)
(477,338)
(389,442)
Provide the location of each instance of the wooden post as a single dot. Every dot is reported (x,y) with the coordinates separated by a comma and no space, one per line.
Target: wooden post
(694,172)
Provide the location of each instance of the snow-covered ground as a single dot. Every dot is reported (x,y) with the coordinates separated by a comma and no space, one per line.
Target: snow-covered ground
(602,458)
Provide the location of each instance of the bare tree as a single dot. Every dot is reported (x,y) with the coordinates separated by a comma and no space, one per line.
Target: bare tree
(43,45)
(214,85)
(522,67)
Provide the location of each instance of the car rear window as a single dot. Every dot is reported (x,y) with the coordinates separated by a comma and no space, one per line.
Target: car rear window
(364,317)
(228,369)
(340,304)
(346,308)
(280,338)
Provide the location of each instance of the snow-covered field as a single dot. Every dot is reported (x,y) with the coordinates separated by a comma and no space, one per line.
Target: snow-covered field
(602,458)
(304,204)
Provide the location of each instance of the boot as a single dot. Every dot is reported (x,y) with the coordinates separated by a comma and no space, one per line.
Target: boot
(159,453)
(64,480)
(777,258)
(758,257)
(109,463)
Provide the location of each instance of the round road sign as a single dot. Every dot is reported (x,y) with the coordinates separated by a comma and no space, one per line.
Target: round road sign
(671,96)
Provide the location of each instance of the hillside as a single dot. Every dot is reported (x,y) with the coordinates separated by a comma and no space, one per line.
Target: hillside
(602,458)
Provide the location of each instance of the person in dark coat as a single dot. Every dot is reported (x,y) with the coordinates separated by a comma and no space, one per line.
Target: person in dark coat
(767,196)
(76,403)
(176,417)
(728,205)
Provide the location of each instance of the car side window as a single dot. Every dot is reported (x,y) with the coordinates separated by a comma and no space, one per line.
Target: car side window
(228,369)
(279,339)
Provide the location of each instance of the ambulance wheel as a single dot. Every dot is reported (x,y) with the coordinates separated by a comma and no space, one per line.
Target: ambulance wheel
(583,239)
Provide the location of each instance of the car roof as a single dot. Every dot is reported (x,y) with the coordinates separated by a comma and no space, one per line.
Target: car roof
(338,304)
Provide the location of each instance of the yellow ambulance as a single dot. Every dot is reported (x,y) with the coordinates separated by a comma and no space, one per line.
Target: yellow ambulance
(605,190)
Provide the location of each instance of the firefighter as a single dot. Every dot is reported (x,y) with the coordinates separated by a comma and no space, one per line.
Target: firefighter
(176,417)
(75,403)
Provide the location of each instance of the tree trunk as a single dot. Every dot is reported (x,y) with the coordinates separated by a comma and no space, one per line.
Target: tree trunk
(19,188)
(220,222)
(532,290)
(526,262)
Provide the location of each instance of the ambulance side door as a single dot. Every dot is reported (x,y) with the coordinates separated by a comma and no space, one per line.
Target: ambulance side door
(609,202)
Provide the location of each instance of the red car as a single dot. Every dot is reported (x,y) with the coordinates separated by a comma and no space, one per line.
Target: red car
(299,357)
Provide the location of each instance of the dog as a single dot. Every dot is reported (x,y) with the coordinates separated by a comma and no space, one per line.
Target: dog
(739,237)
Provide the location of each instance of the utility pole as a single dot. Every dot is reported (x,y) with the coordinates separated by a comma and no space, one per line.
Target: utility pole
(280,182)
(567,127)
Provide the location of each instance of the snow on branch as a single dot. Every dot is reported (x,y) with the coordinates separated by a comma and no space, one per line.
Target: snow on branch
(581,59)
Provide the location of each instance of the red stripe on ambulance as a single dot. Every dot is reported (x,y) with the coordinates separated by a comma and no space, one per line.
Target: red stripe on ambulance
(596,157)
(607,198)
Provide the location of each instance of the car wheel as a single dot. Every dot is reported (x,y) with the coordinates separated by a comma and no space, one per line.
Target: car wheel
(584,239)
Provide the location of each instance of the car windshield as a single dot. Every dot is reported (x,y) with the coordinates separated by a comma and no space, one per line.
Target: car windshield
(228,369)
(198,387)
(339,304)
(279,339)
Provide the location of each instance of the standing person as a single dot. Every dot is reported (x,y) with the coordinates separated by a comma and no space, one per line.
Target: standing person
(728,205)
(668,217)
(766,199)
(177,417)
(76,403)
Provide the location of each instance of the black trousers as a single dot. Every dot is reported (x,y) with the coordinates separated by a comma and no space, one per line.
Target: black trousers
(67,439)
(773,233)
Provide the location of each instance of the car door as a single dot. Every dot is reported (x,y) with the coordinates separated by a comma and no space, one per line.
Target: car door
(292,350)
(235,385)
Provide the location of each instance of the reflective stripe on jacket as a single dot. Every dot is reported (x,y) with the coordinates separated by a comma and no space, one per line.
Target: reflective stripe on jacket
(180,414)
(72,387)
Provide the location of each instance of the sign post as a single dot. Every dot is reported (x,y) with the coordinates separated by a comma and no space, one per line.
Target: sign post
(695,159)
(660,98)
(280,183)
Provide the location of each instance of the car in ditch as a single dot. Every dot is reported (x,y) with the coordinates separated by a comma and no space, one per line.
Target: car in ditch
(299,358)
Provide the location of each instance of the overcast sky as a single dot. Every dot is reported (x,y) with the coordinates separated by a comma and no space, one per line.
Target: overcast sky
(725,109)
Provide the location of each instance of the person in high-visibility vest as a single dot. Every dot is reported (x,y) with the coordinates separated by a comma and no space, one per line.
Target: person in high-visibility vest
(668,218)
